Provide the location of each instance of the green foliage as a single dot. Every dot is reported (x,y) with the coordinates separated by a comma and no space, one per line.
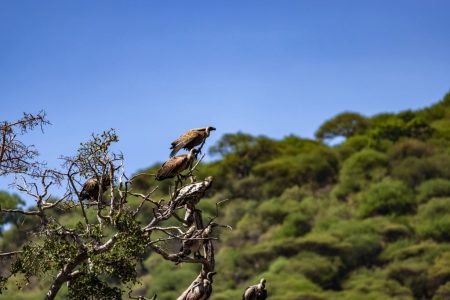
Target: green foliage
(414,170)
(322,270)
(90,286)
(443,292)
(366,219)
(439,273)
(410,274)
(293,225)
(241,151)
(360,169)
(316,168)
(387,197)
(433,188)
(352,145)
(394,128)
(410,147)
(432,219)
(9,201)
(367,283)
(283,284)
(345,124)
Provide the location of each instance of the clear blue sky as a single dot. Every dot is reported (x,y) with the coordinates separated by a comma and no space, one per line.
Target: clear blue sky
(152,69)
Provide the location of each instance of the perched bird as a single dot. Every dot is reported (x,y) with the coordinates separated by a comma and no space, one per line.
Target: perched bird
(175,165)
(200,289)
(190,139)
(189,217)
(192,193)
(256,292)
(91,188)
(194,240)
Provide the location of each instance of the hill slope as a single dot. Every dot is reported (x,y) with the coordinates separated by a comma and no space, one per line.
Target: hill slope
(368,218)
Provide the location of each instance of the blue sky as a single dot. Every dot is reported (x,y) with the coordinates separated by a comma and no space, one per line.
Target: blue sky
(152,69)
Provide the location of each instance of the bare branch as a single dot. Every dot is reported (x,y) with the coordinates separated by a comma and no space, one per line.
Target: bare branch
(12,253)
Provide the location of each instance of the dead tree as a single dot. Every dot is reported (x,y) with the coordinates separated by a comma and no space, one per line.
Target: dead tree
(108,240)
(15,156)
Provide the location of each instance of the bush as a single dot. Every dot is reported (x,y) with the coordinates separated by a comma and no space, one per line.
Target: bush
(322,270)
(316,168)
(410,147)
(425,251)
(432,219)
(441,128)
(413,170)
(361,168)
(395,127)
(294,225)
(433,188)
(352,145)
(389,197)
(280,281)
(412,275)
(439,273)
(359,242)
(443,292)
(372,284)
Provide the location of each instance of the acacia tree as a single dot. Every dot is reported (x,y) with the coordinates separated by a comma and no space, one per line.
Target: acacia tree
(98,255)
(345,125)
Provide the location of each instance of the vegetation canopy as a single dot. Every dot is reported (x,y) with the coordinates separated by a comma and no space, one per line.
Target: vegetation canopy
(366,218)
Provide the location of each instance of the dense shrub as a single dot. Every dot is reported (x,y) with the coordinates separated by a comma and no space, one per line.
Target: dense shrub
(395,127)
(432,220)
(316,168)
(294,225)
(389,197)
(361,168)
(410,274)
(352,145)
(410,147)
(433,188)
(413,170)
(443,292)
(439,273)
(374,284)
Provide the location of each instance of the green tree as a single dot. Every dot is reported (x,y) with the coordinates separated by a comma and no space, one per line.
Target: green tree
(345,125)
(9,201)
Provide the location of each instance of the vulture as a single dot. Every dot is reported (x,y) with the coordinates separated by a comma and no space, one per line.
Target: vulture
(190,139)
(190,194)
(194,240)
(175,165)
(91,188)
(256,292)
(200,289)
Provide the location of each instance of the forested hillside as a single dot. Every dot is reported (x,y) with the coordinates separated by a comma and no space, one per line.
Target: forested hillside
(366,218)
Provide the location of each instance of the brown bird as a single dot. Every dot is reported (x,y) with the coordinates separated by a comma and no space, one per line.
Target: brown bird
(201,288)
(175,165)
(194,240)
(256,292)
(91,188)
(190,139)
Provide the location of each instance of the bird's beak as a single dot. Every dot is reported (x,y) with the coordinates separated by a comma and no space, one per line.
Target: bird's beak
(212,128)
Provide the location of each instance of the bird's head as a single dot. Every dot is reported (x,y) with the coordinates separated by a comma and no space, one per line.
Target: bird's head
(210,275)
(193,153)
(262,282)
(209,129)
